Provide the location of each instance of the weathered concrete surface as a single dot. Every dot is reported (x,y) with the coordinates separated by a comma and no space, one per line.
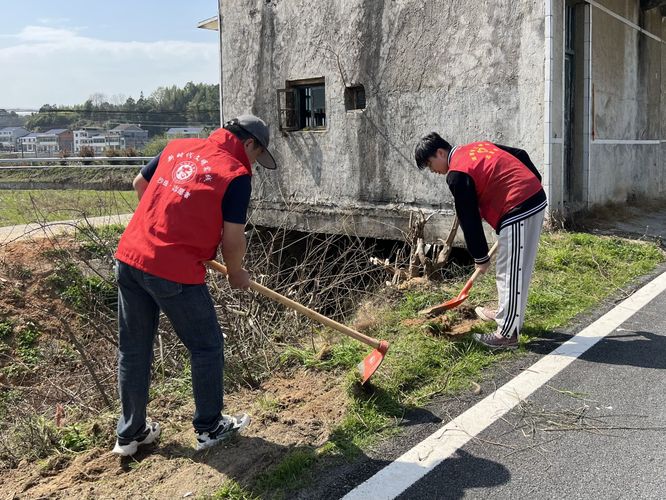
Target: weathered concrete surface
(628,74)
(467,70)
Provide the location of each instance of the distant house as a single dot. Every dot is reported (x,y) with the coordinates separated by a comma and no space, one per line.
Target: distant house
(62,137)
(134,136)
(9,137)
(83,137)
(101,142)
(175,132)
(28,143)
(48,143)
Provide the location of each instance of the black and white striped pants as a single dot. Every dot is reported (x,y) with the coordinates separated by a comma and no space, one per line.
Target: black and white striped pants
(516,254)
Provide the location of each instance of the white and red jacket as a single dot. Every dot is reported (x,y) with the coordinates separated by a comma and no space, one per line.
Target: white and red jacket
(178,223)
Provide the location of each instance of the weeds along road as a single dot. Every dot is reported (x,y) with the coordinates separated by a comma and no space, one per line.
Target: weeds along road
(49,229)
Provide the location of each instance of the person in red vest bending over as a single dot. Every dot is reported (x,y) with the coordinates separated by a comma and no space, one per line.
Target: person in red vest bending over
(193,197)
(501,185)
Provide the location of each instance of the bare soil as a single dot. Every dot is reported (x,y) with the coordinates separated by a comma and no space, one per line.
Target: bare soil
(308,406)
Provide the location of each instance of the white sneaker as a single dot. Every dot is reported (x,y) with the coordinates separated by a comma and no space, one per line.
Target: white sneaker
(126,447)
(227,426)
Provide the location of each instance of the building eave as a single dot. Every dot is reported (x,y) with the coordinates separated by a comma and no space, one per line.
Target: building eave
(209,24)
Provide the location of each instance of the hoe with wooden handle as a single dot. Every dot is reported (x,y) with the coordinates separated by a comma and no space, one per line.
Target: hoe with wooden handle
(462,296)
(366,367)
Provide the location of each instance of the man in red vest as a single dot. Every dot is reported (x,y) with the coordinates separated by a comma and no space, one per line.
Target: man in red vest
(502,186)
(193,197)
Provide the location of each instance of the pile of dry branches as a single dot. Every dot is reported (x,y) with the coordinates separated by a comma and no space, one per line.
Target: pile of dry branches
(425,259)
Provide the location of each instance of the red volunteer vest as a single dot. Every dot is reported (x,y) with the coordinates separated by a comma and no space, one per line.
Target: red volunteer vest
(502,182)
(178,223)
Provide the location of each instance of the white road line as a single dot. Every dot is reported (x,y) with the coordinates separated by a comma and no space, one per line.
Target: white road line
(424,457)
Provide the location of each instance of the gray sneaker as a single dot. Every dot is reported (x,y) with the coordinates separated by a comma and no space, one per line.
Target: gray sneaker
(128,447)
(494,342)
(227,427)
(485,313)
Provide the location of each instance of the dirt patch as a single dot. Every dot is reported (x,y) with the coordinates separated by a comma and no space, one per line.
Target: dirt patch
(298,413)
(26,301)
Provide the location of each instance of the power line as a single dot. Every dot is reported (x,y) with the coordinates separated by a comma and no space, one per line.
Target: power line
(115,111)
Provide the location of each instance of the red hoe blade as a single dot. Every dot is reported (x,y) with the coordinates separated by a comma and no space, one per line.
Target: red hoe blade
(372,361)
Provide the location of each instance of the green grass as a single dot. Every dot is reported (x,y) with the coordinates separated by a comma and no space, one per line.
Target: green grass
(6,329)
(574,273)
(345,354)
(231,490)
(24,207)
(26,344)
(291,471)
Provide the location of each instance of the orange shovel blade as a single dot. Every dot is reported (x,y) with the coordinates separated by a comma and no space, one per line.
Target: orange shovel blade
(372,361)
(444,306)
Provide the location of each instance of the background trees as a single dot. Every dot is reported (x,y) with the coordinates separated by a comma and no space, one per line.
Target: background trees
(196,104)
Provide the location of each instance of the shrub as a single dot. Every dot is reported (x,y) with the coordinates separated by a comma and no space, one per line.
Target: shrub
(83,293)
(155,146)
(113,152)
(27,343)
(86,152)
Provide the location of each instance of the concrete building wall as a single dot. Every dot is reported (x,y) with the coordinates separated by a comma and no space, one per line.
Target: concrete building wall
(626,156)
(468,73)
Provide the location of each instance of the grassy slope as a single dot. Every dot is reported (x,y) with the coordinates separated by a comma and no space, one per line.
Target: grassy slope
(71,175)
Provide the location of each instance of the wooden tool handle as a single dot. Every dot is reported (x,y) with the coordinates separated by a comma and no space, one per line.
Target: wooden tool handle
(267,292)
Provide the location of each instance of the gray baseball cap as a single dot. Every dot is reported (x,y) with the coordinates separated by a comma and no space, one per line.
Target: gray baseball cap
(259,130)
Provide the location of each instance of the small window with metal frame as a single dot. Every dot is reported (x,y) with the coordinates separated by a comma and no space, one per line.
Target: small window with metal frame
(302,105)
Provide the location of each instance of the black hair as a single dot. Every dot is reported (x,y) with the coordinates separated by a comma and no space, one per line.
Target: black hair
(427,147)
(234,127)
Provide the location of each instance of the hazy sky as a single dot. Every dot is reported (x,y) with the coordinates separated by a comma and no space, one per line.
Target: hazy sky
(63,51)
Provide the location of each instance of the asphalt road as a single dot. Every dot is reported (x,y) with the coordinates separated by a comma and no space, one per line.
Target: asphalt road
(595,430)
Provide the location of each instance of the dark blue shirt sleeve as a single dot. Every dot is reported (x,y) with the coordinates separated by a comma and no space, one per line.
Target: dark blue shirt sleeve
(237,199)
(148,170)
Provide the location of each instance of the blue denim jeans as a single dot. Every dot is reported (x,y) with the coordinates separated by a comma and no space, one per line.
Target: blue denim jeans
(190,310)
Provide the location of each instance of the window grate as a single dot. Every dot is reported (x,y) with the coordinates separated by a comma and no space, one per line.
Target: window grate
(302,105)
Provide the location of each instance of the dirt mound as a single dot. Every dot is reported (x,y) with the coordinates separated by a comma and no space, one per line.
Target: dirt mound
(303,408)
